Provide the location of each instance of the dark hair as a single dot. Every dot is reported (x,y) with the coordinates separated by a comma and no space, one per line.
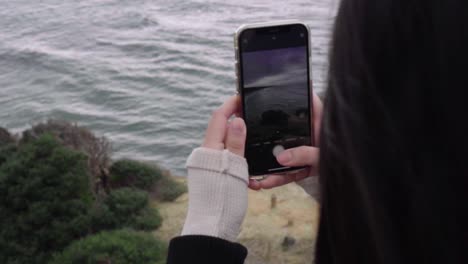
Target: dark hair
(394,142)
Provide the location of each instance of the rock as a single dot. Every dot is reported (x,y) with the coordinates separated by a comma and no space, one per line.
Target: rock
(290,223)
(288,242)
(273,201)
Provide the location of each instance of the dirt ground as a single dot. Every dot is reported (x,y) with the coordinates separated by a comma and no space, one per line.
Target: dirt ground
(284,234)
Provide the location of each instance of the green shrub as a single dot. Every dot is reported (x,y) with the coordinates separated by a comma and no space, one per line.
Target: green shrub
(125,207)
(44,200)
(102,218)
(149,219)
(116,247)
(126,202)
(7,145)
(169,189)
(130,173)
(97,149)
(6,151)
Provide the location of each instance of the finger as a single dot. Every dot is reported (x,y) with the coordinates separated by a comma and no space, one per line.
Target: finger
(317,117)
(273,181)
(235,137)
(300,156)
(299,176)
(216,131)
(254,185)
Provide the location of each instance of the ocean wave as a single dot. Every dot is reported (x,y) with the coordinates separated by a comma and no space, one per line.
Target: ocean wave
(146,74)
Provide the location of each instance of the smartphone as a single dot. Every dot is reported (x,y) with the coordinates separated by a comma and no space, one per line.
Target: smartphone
(274,82)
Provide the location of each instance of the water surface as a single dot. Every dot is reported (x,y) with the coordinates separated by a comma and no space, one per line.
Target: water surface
(145,74)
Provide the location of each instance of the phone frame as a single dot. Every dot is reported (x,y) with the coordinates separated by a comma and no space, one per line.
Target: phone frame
(238,33)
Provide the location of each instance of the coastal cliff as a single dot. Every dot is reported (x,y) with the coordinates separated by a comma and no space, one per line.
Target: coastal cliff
(280,226)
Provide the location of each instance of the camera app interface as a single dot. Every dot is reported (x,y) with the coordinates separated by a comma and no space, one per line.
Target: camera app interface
(276,104)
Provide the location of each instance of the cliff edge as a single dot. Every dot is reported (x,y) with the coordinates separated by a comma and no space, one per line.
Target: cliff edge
(280,226)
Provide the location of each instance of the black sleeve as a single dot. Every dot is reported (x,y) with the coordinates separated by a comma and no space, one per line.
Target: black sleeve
(206,250)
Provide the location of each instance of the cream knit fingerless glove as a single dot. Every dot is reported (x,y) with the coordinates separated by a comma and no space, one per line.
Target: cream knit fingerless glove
(217,182)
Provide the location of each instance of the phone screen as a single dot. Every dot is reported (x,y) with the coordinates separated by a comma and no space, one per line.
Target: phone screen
(275,91)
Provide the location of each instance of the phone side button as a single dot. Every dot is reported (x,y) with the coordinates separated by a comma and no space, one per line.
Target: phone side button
(236,65)
(236,54)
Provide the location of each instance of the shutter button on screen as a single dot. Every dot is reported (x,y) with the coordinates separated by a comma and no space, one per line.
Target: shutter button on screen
(277,150)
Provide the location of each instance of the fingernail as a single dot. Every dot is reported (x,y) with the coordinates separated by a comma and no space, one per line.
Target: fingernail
(284,157)
(237,127)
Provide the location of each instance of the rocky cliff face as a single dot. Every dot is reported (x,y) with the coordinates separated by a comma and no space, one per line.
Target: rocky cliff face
(280,226)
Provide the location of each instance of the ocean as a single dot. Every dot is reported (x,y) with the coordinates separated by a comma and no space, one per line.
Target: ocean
(144,74)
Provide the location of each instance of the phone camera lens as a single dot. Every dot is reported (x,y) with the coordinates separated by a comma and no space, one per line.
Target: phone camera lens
(273,38)
(302,35)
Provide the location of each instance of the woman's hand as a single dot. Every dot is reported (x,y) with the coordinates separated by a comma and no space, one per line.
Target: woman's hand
(218,177)
(222,134)
(297,157)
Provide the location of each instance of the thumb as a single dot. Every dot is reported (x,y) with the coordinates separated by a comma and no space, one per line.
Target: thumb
(235,137)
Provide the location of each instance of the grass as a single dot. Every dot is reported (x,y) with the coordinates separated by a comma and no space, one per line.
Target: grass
(264,229)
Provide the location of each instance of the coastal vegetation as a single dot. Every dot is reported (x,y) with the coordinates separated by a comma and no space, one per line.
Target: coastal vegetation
(64,200)
(116,247)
